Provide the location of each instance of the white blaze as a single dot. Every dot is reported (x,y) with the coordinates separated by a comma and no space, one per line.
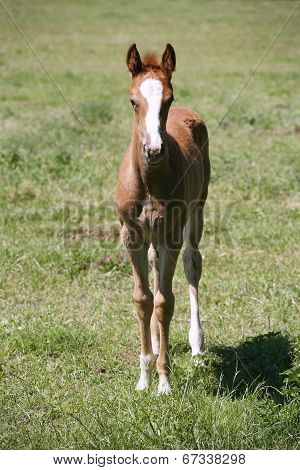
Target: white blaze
(152,89)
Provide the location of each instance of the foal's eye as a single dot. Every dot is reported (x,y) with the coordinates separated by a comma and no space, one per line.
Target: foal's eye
(170,100)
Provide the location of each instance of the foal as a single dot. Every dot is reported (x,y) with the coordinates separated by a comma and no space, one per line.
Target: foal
(162,188)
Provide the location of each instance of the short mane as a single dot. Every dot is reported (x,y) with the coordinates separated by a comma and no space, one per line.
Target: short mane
(150,60)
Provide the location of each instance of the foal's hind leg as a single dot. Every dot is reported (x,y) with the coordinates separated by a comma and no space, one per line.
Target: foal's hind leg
(153,258)
(192,260)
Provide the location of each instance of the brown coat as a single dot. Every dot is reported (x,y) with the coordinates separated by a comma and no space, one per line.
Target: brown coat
(160,190)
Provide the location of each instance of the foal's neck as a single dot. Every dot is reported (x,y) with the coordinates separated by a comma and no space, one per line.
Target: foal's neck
(155,179)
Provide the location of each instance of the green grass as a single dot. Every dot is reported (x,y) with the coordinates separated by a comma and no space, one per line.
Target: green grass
(69,335)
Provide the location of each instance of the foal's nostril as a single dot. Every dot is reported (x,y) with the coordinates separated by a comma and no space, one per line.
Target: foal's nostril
(154,152)
(162,148)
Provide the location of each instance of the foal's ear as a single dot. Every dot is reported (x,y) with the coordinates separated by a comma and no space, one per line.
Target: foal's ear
(133,60)
(168,60)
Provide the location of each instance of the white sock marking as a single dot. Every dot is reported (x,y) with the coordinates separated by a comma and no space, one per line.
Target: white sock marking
(152,89)
(147,364)
(196,336)
(164,386)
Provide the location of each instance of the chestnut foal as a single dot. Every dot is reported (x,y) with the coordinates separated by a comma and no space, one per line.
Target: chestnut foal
(162,188)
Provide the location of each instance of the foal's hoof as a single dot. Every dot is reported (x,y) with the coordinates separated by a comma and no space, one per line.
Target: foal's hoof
(164,387)
(142,385)
(197,352)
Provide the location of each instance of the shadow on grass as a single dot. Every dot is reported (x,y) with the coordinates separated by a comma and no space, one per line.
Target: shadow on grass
(258,364)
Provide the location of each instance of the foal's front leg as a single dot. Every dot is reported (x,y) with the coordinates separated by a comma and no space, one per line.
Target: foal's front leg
(164,308)
(143,299)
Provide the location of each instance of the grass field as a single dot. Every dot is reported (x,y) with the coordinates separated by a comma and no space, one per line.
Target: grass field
(69,335)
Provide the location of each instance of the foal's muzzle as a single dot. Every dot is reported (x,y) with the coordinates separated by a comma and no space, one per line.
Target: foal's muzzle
(153,157)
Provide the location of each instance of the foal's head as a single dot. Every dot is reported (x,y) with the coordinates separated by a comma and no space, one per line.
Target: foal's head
(151,95)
